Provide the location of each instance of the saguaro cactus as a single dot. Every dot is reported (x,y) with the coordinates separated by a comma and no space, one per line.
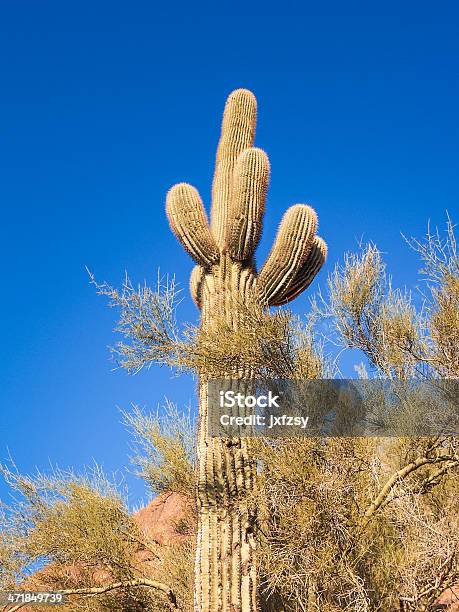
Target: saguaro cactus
(225,277)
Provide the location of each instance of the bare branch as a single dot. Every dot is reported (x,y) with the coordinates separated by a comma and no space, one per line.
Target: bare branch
(141,582)
(403,473)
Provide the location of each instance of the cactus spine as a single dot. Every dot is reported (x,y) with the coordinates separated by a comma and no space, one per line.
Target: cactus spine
(225,277)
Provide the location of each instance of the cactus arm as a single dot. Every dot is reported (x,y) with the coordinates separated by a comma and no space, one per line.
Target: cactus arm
(196,280)
(292,246)
(188,221)
(245,215)
(237,134)
(305,275)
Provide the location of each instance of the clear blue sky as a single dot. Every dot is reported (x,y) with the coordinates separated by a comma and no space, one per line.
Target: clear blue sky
(104,105)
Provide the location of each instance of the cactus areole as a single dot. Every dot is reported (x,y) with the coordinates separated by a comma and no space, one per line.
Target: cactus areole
(225,277)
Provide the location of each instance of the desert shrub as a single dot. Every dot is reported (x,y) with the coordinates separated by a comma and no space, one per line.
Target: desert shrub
(360,524)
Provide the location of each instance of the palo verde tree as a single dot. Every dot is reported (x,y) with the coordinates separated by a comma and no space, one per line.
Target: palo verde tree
(223,282)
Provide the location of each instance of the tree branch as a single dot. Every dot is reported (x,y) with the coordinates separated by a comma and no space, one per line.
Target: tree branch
(145,582)
(400,475)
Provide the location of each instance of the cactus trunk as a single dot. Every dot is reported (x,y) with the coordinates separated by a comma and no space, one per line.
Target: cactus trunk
(224,279)
(225,567)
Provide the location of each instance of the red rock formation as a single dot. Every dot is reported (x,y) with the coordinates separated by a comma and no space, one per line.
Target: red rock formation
(450,599)
(162,517)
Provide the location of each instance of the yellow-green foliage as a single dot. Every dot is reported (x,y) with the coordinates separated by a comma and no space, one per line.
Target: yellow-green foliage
(269,344)
(165,445)
(350,524)
(319,551)
(77,528)
(444,326)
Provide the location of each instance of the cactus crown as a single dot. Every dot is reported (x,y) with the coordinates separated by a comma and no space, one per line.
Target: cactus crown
(238,200)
